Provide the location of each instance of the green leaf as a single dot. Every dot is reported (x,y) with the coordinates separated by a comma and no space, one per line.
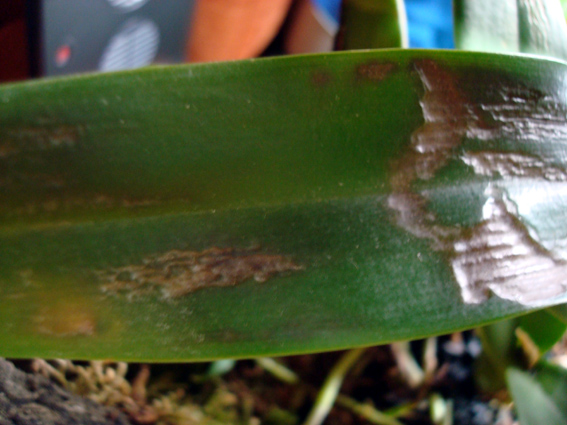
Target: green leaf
(540,399)
(543,328)
(279,206)
(543,29)
(373,24)
(511,26)
(500,351)
(553,380)
(476,29)
(560,311)
(504,346)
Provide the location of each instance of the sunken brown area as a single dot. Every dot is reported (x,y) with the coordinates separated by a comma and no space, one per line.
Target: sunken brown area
(501,254)
(177,273)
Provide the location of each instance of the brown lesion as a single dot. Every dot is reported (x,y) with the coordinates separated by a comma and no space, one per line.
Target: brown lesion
(513,164)
(375,70)
(66,318)
(500,254)
(446,119)
(177,273)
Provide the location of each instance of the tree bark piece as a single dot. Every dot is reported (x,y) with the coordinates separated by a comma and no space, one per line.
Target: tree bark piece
(27,399)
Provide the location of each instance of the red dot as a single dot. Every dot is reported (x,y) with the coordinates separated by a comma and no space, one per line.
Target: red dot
(62,55)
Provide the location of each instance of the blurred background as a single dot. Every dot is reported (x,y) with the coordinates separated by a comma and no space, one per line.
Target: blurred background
(42,38)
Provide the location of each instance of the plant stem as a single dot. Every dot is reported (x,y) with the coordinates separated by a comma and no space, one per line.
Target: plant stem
(330,389)
(278,370)
(367,411)
(409,368)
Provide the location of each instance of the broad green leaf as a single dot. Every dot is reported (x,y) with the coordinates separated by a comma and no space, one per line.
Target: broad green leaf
(279,206)
(373,24)
(543,328)
(529,26)
(539,399)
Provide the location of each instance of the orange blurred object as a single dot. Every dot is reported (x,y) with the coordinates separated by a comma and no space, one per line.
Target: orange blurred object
(234,29)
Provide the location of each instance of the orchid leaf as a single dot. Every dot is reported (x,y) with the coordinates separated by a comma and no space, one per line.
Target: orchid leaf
(543,328)
(282,205)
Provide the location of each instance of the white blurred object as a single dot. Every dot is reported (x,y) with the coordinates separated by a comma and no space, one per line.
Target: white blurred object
(127,5)
(135,45)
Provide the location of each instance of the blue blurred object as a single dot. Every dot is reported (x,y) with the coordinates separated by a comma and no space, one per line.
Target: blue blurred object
(332,8)
(430,22)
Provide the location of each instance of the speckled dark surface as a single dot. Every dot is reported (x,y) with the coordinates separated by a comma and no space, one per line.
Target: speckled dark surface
(27,399)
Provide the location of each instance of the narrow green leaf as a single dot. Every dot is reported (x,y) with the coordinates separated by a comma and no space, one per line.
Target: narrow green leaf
(373,24)
(534,403)
(511,26)
(279,206)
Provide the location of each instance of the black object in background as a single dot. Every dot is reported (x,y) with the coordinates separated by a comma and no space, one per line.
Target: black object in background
(74,36)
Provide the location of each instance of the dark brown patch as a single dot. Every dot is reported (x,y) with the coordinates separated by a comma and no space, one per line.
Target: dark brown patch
(374,70)
(177,273)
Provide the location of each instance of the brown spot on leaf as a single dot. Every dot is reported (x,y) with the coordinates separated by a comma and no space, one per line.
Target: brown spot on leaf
(65,318)
(374,70)
(177,273)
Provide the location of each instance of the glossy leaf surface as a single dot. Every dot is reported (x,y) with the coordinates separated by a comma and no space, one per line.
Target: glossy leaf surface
(279,206)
